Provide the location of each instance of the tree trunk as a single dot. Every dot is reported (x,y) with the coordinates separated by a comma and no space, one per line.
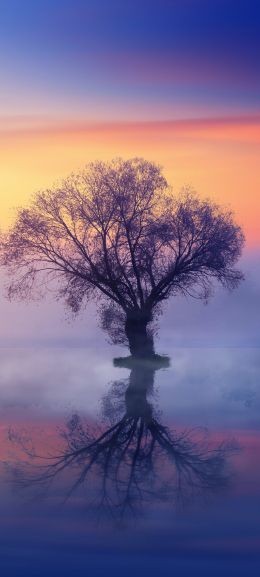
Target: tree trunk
(140,341)
(141,382)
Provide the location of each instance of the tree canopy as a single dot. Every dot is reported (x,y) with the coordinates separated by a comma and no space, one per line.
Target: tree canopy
(116,232)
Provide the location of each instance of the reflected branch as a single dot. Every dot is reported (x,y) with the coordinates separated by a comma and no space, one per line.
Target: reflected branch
(135,460)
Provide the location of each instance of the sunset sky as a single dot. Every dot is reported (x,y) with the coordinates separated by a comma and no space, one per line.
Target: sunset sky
(175,81)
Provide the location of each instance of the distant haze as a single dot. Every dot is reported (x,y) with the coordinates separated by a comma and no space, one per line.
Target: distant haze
(229,319)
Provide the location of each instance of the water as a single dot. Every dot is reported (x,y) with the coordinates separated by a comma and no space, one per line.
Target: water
(207,400)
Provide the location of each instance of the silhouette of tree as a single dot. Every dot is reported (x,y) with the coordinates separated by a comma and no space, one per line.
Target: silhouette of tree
(116,233)
(135,460)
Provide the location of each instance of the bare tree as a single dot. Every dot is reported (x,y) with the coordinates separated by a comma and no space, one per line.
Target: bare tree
(115,232)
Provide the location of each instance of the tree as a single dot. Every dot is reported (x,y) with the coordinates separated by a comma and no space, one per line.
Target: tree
(116,233)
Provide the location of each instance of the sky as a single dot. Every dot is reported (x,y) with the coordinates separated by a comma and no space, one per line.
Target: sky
(130,60)
(176,82)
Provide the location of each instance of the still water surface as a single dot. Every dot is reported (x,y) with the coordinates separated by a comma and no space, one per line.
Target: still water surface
(186,498)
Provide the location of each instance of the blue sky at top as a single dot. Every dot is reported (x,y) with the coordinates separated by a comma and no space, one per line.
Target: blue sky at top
(63,57)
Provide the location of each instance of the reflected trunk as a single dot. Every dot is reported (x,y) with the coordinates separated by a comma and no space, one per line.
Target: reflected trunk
(141,383)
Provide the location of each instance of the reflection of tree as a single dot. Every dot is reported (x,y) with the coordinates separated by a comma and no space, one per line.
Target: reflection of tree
(136,459)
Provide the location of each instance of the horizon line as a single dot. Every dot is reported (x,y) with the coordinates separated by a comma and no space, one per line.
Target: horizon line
(42,123)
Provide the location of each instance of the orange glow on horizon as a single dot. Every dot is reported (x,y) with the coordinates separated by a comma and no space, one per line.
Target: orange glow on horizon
(218,158)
